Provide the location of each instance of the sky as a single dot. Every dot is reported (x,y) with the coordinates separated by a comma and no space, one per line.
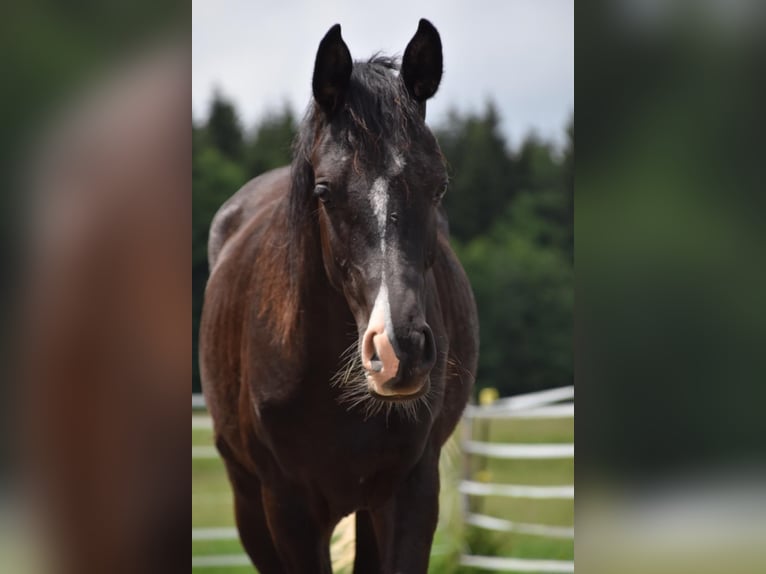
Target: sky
(518,53)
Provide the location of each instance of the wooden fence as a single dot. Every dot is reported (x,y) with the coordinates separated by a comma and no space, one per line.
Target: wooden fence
(542,404)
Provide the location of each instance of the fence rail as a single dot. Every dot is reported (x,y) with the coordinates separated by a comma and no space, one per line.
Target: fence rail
(516,490)
(537,398)
(202,452)
(203,422)
(516,564)
(223,533)
(220,561)
(502,525)
(501,412)
(519,451)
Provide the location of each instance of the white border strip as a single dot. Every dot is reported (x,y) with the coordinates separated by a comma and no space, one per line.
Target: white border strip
(198,401)
(565,492)
(522,451)
(501,525)
(516,564)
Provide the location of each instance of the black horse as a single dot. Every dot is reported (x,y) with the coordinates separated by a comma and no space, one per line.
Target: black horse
(339,335)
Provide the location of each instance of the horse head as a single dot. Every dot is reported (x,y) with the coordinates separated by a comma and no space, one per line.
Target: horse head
(374,177)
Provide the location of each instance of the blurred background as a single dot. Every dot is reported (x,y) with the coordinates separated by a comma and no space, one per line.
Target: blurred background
(670,318)
(95,219)
(504,118)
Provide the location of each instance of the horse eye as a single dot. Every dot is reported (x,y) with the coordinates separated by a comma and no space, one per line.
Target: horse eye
(440,194)
(322,192)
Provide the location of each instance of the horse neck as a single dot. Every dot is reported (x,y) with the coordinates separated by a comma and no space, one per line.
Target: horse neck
(323,317)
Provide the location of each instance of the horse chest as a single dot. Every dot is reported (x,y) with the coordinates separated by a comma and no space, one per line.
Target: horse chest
(350,461)
(365,466)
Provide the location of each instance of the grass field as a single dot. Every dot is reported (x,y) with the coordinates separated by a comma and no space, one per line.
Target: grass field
(212,507)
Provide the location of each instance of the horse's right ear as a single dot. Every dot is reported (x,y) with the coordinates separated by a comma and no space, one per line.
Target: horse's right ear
(422,62)
(332,71)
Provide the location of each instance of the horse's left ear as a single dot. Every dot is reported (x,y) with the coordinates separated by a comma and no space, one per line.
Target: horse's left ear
(422,62)
(332,71)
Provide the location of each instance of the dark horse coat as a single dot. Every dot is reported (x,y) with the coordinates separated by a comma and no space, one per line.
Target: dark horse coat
(339,335)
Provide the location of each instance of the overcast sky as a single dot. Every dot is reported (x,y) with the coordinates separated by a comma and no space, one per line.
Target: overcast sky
(519,53)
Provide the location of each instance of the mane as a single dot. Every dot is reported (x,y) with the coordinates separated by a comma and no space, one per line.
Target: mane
(377,111)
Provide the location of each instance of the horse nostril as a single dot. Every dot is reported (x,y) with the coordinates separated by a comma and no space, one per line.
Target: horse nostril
(376,365)
(378,356)
(418,339)
(428,348)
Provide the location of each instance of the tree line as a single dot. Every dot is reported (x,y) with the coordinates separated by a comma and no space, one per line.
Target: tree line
(511,222)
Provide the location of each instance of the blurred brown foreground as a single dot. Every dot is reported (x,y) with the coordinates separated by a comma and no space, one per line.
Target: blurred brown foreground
(104,330)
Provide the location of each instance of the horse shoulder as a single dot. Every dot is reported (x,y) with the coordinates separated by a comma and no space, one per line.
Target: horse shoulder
(462,325)
(229,314)
(455,291)
(257,195)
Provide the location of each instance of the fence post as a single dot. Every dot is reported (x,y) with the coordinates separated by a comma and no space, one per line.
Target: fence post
(467,435)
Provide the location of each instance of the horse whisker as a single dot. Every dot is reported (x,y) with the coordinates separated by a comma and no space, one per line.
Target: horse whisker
(351,380)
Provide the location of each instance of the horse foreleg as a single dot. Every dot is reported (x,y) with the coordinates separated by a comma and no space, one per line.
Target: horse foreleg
(250,515)
(405,526)
(367,557)
(254,534)
(302,543)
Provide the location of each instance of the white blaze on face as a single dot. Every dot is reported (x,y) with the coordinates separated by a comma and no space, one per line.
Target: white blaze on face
(397,164)
(379,196)
(379,336)
(379,199)
(381,311)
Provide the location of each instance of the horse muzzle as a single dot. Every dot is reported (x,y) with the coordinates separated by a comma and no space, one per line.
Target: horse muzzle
(399,368)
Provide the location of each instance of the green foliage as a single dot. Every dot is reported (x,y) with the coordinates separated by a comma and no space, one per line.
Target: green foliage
(213,179)
(523,287)
(223,128)
(567,172)
(271,143)
(481,171)
(511,219)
